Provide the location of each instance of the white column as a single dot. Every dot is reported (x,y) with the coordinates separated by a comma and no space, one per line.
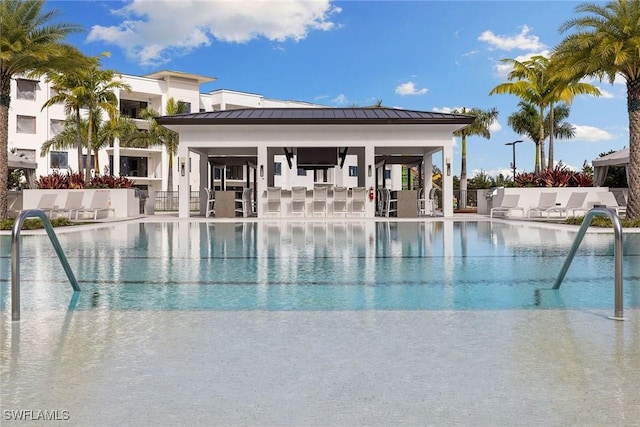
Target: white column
(261,184)
(183,181)
(427,171)
(116,157)
(204,182)
(447,180)
(370,178)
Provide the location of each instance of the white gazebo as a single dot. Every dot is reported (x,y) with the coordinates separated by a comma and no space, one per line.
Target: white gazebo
(261,133)
(601,165)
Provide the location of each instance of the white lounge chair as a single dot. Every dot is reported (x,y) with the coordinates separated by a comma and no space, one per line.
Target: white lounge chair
(71,205)
(274,200)
(358,199)
(340,200)
(99,203)
(574,204)
(546,202)
(320,199)
(47,203)
(299,200)
(608,199)
(508,205)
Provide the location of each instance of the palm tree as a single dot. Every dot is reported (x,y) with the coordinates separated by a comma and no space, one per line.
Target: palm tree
(606,44)
(480,127)
(526,121)
(97,89)
(531,85)
(30,44)
(564,91)
(105,133)
(159,135)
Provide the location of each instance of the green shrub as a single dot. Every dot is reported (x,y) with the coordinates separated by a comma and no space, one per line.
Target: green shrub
(604,222)
(34,223)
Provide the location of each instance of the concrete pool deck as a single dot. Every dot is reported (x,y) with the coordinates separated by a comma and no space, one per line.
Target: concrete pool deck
(377,368)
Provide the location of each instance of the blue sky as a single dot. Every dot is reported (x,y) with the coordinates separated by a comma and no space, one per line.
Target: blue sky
(418,55)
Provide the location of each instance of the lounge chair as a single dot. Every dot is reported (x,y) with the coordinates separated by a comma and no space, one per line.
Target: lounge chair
(340,200)
(47,203)
(358,199)
(546,202)
(274,202)
(71,205)
(99,203)
(320,199)
(508,205)
(608,199)
(299,200)
(574,204)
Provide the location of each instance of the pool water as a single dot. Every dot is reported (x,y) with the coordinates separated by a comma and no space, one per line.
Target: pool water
(312,265)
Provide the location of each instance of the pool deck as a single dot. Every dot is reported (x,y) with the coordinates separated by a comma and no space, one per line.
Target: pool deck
(329,368)
(374,368)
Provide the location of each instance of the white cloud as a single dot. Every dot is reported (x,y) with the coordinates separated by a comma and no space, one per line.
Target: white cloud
(409,88)
(340,99)
(590,133)
(522,41)
(152,32)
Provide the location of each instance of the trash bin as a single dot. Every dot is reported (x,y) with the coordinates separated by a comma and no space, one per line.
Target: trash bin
(142,195)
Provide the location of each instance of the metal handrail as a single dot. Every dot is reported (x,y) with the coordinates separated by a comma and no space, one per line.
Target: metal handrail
(15,256)
(617,254)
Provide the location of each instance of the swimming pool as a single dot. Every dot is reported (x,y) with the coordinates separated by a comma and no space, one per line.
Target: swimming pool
(323,266)
(320,323)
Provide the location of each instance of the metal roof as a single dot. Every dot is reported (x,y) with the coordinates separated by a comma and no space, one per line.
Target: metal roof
(306,116)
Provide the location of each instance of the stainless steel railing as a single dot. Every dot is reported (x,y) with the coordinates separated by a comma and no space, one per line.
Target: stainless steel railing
(15,256)
(617,254)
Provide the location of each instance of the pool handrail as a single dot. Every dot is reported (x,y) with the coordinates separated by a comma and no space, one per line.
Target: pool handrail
(617,254)
(15,256)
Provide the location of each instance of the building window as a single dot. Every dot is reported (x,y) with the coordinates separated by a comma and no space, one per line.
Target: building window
(131,108)
(235,172)
(353,171)
(187,106)
(277,168)
(26,124)
(59,159)
(131,166)
(217,173)
(26,89)
(387,173)
(56,126)
(302,172)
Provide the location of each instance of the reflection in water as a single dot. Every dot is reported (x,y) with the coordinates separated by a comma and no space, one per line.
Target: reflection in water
(325,265)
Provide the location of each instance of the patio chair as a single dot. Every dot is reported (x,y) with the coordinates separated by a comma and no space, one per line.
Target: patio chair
(508,205)
(389,205)
(608,199)
(99,203)
(575,202)
(546,202)
(71,205)
(358,199)
(274,200)
(340,200)
(247,209)
(211,202)
(427,205)
(299,200)
(320,199)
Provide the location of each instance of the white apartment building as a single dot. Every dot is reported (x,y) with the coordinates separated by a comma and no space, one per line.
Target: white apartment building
(30,126)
